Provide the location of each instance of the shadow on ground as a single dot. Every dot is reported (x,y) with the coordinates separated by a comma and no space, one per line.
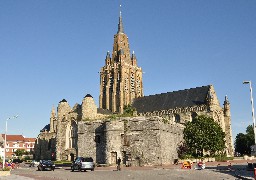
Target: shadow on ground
(238,171)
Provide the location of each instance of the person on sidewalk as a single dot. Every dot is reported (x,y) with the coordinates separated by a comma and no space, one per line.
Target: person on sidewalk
(119,164)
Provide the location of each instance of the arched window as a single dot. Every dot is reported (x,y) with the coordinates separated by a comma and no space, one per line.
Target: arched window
(73,134)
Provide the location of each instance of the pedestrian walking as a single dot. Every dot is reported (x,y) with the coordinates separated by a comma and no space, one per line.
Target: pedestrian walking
(119,164)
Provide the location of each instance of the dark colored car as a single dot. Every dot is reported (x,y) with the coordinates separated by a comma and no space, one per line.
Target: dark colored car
(46,165)
(17,161)
(83,163)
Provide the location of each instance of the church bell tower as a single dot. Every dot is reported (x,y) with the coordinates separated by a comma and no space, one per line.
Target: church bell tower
(120,78)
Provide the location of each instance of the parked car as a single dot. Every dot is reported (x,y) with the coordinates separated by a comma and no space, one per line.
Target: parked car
(46,165)
(83,163)
(33,163)
(17,161)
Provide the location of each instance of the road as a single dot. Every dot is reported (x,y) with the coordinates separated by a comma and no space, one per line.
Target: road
(137,173)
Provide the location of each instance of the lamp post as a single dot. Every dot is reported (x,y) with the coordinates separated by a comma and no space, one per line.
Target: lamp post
(253,118)
(5,137)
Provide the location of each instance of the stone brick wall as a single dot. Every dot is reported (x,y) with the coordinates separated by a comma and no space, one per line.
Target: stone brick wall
(114,134)
(87,145)
(171,136)
(45,145)
(138,141)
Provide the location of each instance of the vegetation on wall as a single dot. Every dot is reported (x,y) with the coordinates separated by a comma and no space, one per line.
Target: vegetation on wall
(128,110)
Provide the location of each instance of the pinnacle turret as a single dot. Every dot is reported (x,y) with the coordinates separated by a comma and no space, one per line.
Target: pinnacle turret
(226,100)
(53,114)
(120,23)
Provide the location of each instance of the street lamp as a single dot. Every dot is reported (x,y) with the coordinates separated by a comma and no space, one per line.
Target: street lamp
(5,137)
(253,118)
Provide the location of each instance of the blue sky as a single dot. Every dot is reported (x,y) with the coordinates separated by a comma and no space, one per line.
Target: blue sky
(50,50)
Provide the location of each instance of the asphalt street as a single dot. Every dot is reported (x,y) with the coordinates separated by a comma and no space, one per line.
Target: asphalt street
(219,172)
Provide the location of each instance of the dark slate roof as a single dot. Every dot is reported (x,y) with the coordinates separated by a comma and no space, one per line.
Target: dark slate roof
(46,128)
(171,100)
(88,95)
(63,100)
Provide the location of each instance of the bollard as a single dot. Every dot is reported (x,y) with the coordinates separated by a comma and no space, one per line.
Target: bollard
(254,173)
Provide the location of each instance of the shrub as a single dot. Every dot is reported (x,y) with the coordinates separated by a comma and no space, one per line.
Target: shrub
(8,168)
(26,158)
(223,158)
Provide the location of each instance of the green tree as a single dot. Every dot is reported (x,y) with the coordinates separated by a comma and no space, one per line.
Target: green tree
(20,152)
(250,135)
(243,142)
(204,134)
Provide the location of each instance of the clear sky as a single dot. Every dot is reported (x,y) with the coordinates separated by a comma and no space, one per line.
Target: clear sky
(50,50)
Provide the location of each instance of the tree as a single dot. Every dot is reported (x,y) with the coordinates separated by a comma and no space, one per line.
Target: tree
(204,134)
(244,142)
(250,135)
(20,152)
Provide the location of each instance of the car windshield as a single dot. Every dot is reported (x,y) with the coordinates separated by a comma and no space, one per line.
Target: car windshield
(87,159)
(46,161)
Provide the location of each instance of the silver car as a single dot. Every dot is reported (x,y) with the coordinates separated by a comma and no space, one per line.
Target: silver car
(83,163)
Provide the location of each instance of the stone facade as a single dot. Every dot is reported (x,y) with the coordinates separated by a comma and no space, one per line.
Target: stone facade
(137,140)
(194,101)
(120,78)
(45,146)
(63,129)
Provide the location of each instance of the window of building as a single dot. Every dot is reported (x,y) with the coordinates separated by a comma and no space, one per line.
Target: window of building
(49,144)
(177,118)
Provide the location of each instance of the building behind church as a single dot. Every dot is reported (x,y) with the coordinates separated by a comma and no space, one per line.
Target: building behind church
(150,137)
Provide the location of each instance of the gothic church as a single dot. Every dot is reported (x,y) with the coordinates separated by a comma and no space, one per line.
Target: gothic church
(151,137)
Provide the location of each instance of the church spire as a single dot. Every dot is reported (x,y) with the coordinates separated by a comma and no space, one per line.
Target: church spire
(120,23)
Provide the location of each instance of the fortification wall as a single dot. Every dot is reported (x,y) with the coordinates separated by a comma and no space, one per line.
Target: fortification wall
(137,141)
(45,146)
